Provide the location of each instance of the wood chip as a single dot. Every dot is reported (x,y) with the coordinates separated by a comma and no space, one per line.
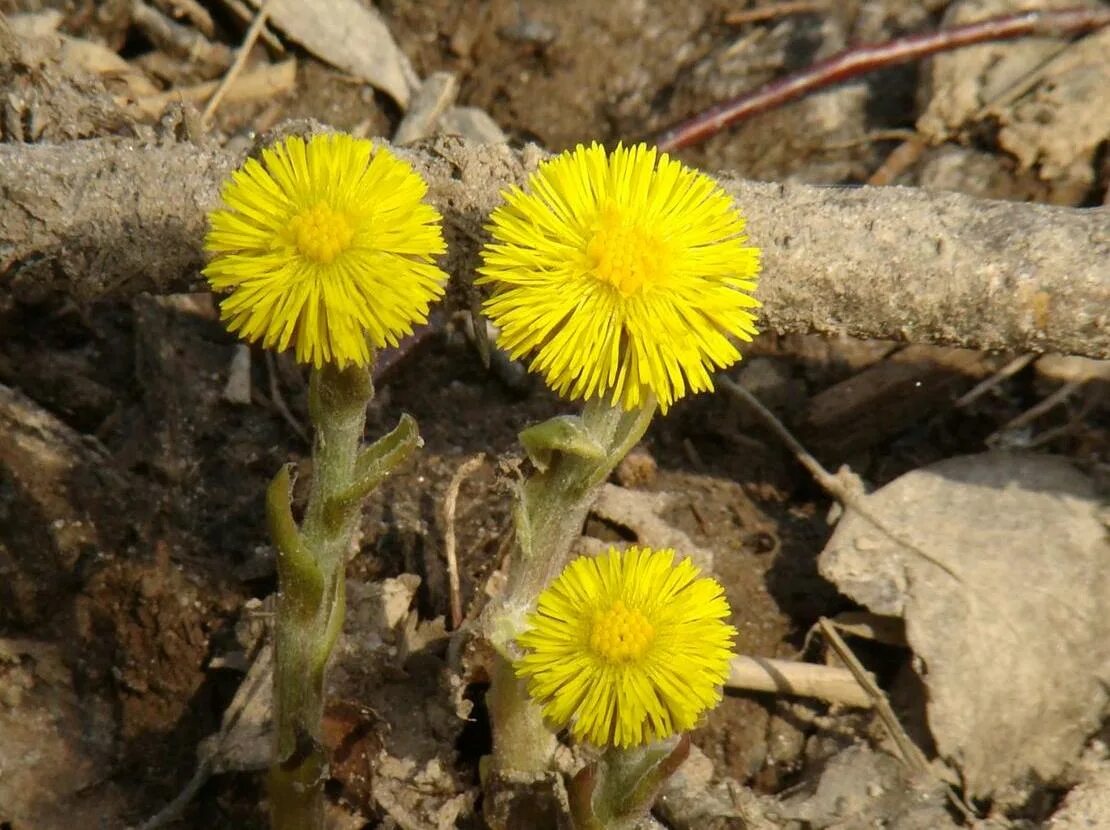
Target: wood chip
(880,401)
(259,84)
(436,94)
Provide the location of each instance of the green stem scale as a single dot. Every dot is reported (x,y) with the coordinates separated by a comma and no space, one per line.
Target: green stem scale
(311,561)
(617,791)
(573,457)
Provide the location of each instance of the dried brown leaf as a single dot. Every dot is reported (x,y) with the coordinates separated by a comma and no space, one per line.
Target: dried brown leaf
(350,36)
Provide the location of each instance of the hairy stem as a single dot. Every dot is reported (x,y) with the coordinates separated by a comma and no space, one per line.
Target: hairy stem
(573,457)
(311,590)
(553,503)
(619,788)
(310,594)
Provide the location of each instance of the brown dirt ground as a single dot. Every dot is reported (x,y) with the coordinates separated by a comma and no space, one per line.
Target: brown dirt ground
(137,610)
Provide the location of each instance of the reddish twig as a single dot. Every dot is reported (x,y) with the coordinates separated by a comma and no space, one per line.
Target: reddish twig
(862,59)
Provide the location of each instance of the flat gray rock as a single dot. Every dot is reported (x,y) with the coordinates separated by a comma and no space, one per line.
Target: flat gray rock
(1012,633)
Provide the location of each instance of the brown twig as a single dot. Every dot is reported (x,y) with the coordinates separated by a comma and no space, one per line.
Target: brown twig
(859,60)
(1033,413)
(841,486)
(912,148)
(873,137)
(267,82)
(246,14)
(847,488)
(449,541)
(251,694)
(900,158)
(191,9)
(912,756)
(249,39)
(886,263)
(984,386)
(278,400)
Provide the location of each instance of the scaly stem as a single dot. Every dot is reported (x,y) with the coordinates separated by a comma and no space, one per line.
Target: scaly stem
(521,742)
(573,457)
(618,790)
(311,594)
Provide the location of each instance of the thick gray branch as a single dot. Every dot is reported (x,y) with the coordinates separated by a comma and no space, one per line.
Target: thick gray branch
(110,218)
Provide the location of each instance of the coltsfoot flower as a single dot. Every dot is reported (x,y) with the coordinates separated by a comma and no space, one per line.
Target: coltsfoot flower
(325,245)
(621,275)
(628,647)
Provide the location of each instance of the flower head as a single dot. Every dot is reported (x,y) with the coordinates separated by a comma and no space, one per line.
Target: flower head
(628,647)
(622,275)
(325,245)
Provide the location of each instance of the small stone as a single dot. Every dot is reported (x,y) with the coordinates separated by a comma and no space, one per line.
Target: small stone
(238,387)
(473,124)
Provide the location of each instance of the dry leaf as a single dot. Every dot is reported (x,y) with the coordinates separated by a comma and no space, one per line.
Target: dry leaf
(964,81)
(350,36)
(1060,123)
(1047,97)
(1015,652)
(436,95)
(246,737)
(419,796)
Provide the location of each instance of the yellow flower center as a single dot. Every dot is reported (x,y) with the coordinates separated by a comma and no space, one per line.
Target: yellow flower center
(621,634)
(626,256)
(320,233)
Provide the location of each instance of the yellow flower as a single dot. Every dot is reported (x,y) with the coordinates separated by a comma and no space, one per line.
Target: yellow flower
(627,648)
(325,245)
(622,275)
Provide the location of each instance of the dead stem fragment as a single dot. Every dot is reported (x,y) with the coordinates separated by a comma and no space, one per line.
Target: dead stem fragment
(900,264)
(449,542)
(790,677)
